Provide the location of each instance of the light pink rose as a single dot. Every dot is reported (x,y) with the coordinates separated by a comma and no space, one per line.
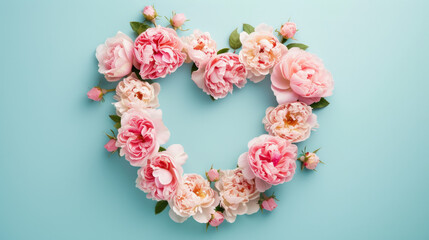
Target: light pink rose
(161,174)
(95,94)
(178,20)
(270,161)
(301,76)
(220,75)
(292,121)
(158,52)
(111,145)
(310,160)
(140,134)
(217,219)
(134,93)
(149,13)
(288,30)
(212,175)
(260,52)
(237,194)
(199,47)
(269,204)
(115,57)
(195,198)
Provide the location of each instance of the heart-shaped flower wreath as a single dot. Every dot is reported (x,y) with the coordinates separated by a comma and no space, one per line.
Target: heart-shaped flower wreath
(299,81)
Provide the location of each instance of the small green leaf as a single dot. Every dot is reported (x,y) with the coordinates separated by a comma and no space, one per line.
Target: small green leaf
(284,40)
(248,28)
(115,118)
(109,136)
(161,149)
(213,99)
(315,151)
(139,27)
(160,206)
(194,68)
(298,45)
(117,125)
(223,50)
(320,104)
(234,40)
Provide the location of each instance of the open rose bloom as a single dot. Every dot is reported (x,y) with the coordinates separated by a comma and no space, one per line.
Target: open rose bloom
(199,47)
(270,161)
(292,121)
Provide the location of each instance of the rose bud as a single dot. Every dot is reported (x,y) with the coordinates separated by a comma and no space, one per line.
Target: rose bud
(95,94)
(288,30)
(212,175)
(217,219)
(177,20)
(149,13)
(310,160)
(269,204)
(111,145)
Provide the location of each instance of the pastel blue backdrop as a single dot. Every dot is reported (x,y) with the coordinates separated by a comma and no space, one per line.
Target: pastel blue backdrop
(58,182)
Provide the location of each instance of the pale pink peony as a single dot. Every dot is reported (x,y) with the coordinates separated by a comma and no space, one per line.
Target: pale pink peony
(134,93)
(270,161)
(269,204)
(212,175)
(261,51)
(161,174)
(216,219)
(237,194)
(140,134)
(115,57)
(95,94)
(220,75)
(292,121)
(301,76)
(310,160)
(288,30)
(195,198)
(178,20)
(199,47)
(111,145)
(158,52)
(149,13)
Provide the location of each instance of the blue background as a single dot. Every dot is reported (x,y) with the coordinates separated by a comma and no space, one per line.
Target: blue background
(58,182)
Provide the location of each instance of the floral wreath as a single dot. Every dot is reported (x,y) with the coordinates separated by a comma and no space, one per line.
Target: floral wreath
(299,81)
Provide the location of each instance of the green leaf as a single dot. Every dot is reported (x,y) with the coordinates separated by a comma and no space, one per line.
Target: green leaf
(234,40)
(298,45)
(213,99)
(117,125)
(160,206)
(223,50)
(139,27)
(315,151)
(161,149)
(109,136)
(248,28)
(320,104)
(115,118)
(194,68)
(284,40)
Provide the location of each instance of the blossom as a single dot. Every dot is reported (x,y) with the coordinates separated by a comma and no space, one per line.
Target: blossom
(115,57)
(199,47)
(291,121)
(111,145)
(140,135)
(237,194)
(149,13)
(161,174)
(158,52)
(288,30)
(216,219)
(212,175)
(95,94)
(301,76)
(269,204)
(195,198)
(270,161)
(134,93)
(178,20)
(310,160)
(260,52)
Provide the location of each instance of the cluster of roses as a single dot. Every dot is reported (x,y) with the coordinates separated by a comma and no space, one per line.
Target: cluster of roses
(298,80)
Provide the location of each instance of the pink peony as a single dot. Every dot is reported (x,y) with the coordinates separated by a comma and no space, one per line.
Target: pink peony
(195,198)
(301,76)
(269,204)
(115,57)
(220,75)
(288,30)
(95,94)
(270,161)
(212,175)
(261,51)
(199,47)
(158,52)
(141,133)
(161,174)
(237,194)
(292,121)
(178,20)
(216,219)
(134,93)
(149,13)
(111,145)
(310,160)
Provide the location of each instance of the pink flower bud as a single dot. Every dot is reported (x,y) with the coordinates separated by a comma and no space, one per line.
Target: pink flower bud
(95,94)
(178,20)
(269,204)
(111,145)
(288,30)
(212,175)
(217,219)
(311,160)
(149,13)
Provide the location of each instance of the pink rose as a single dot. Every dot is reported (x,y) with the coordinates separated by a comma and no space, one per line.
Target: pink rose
(217,219)
(220,75)
(158,52)
(261,51)
(140,135)
(149,13)
(195,198)
(292,121)
(199,47)
(288,30)
(161,174)
(212,175)
(269,204)
(115,57)
(134,93)
(310,160)
(237,194)
(95,94)
(178,20)
(270,161)
(111,145)
(301,76)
